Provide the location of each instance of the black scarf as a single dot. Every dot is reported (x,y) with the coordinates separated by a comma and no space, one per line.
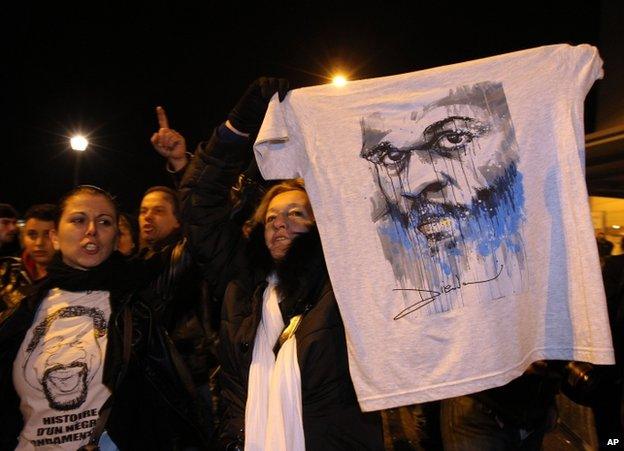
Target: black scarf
(302,272)
(116,273)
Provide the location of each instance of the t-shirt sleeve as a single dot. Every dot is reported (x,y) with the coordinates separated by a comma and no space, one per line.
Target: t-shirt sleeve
(584,67)
(279,146)
(588,67)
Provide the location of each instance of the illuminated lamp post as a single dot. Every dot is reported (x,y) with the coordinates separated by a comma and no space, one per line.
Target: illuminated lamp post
(78,144)
(339,80)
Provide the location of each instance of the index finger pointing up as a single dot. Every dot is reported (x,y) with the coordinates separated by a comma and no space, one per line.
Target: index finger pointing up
(163,122)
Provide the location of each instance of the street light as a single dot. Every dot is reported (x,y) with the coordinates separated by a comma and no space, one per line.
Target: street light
(79,144)
(339,80)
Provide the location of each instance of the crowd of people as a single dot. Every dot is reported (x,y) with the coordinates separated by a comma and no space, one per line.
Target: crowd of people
(209,322)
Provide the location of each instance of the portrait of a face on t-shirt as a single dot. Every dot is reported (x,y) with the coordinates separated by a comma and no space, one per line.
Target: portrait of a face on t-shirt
(450,202)
(64,355)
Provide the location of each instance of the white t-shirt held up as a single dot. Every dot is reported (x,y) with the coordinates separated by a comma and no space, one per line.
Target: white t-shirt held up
(453,213)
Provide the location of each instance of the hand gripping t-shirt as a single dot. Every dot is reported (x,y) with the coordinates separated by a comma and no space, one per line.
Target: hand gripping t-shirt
(454,219)
(58,370)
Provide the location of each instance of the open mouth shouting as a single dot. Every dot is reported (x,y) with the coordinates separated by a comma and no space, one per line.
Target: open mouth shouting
(91,248)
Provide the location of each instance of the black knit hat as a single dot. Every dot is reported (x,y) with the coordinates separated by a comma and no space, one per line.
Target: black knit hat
(7,211)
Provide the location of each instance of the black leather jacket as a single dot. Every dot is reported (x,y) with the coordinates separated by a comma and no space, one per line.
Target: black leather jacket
(186,308)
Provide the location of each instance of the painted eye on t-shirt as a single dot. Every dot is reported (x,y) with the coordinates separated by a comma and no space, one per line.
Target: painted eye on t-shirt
(450,141)
(452,134)
(387,154)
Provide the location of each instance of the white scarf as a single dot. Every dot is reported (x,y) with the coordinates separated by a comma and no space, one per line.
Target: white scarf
(273,414)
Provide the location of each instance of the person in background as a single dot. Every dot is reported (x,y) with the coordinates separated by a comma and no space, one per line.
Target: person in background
(515,416)
(9,243)
(16,274)
(192,319)
(159,221)
(128,243)
(608,409)
(38,248)
(605,247)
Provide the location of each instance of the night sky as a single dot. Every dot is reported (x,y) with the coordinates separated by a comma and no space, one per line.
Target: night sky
(101,68)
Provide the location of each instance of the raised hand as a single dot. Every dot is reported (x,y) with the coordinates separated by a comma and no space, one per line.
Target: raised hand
(168,142)
(247,115)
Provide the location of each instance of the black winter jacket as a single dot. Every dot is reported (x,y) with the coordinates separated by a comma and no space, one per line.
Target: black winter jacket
(332,419)
(185,309)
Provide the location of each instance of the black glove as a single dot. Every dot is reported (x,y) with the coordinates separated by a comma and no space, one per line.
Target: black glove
(248,113)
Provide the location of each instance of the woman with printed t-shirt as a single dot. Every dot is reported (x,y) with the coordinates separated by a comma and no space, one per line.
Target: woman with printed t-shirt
(83,355)
(284,371)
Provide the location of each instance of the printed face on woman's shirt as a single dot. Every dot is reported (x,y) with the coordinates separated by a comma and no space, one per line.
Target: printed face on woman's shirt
(65,354)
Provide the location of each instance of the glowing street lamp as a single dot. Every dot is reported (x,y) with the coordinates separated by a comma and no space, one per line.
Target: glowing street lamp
(339,80)
(79,143)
